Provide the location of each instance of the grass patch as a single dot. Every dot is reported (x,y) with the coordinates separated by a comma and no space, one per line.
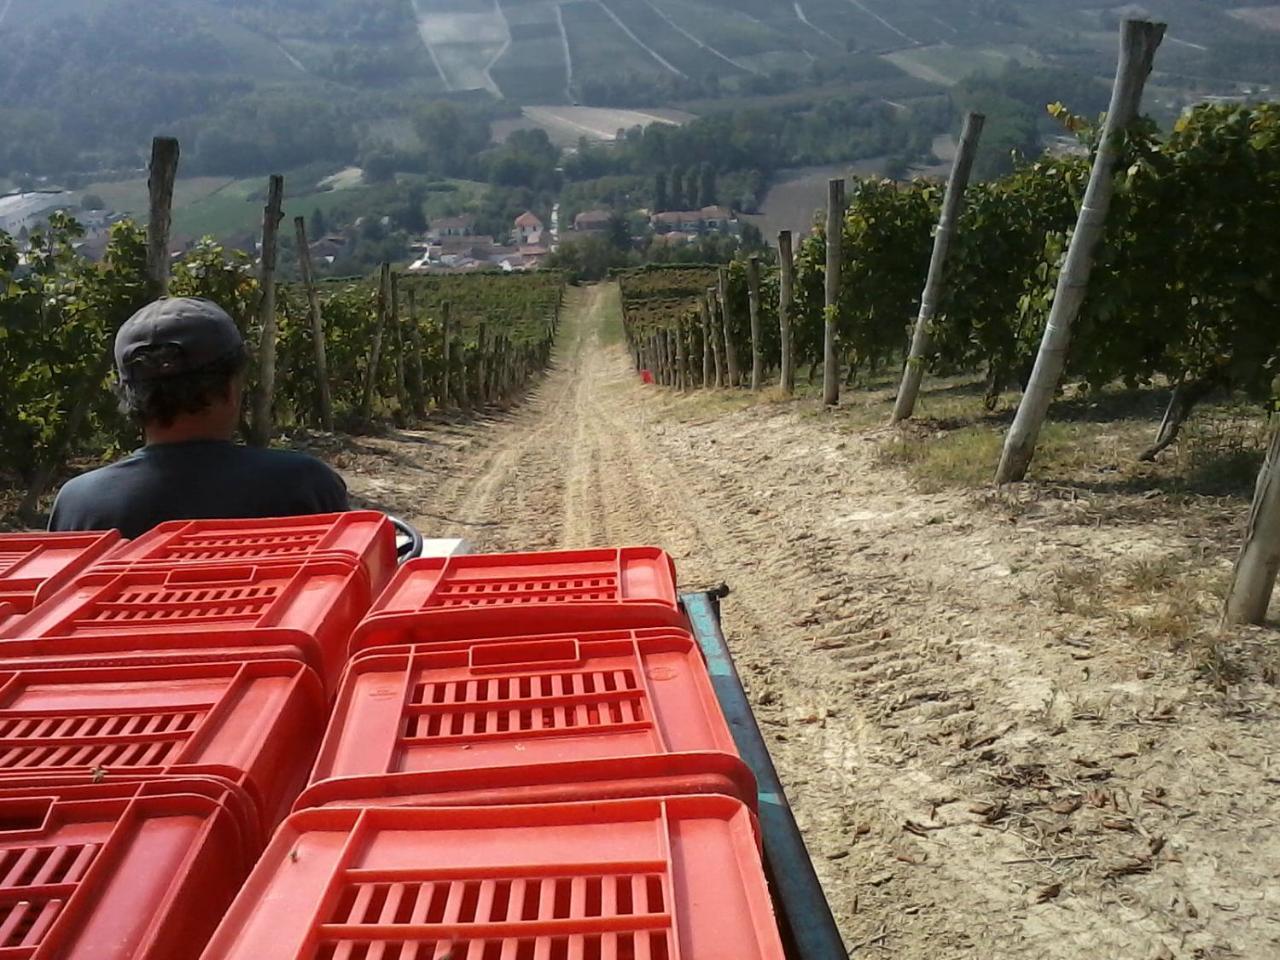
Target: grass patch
(964,457)
(611,329)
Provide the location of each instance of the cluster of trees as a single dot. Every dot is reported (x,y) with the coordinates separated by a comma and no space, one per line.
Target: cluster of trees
(1013,101)
(681,189)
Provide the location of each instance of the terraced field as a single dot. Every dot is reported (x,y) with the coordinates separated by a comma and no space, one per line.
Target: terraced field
(544,51)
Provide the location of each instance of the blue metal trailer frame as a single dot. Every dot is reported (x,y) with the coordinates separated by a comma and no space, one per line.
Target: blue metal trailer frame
(808,929)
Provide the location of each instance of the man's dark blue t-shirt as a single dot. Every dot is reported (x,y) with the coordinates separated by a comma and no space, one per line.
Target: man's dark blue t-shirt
(197,480)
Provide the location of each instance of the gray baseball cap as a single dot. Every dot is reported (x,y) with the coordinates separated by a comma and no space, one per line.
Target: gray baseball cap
(174,336)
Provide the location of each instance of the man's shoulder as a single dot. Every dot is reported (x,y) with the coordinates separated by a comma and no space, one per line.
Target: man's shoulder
(99,476)
(315,486)
(287,461)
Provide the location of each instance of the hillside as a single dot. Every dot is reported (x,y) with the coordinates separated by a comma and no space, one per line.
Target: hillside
(256,84)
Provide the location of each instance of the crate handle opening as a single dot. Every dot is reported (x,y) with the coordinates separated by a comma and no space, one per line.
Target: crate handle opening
(25,814)
(493,657)
(211,574)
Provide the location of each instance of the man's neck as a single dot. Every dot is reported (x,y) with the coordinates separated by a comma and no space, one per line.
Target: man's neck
(187,433)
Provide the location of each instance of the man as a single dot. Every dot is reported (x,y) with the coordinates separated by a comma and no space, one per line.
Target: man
(181,365)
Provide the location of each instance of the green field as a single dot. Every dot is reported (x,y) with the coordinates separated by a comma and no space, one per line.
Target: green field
(948,65)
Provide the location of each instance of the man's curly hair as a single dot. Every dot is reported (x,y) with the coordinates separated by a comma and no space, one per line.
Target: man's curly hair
(162,401)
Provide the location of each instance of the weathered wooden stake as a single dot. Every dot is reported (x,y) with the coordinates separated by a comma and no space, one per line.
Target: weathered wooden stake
(726,322)
(682,369)
(482,364)
(264,400)
(445,334)
(717,338)
(317,322)
(952,204)
(708,378)
(835,239)
(786,295)
(419,384)
(375,349)
(1139,40)
(397,329)
(160,180)
(1259,560)
(757,338)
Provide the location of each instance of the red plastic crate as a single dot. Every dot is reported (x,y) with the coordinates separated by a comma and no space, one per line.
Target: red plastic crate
(530,720)
(296,610)
(8,613)
(256,724)
(34,565)
(521,594)
(139,871)
(363,537)
(674,878)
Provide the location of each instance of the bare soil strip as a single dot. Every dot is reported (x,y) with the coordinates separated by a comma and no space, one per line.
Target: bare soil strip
(984,763)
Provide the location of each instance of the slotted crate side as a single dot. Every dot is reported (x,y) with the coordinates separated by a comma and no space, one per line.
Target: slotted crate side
(364,538)
(310,607)
(581,717)
(493,595)
(256,724)
(126,872)
(676,878)
(35,565)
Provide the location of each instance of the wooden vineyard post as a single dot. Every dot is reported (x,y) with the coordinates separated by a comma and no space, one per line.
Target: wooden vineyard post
(708,378)
(1254,577)
(482,366)
(714,323)
(418,388)
(508,370)
(835,239)
(1139,40)
(753,300)
(445,333)
(952,204)
(730,348)
(673,355)
(397,330)
(163,173)
(317,322)
(264,400)
(682,370)
(160,180)
(375,349)
(786,288)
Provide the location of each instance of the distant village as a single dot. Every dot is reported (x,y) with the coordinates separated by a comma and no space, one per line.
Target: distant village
(450,245)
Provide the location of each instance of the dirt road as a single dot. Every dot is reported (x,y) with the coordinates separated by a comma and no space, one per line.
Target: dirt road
(981,770)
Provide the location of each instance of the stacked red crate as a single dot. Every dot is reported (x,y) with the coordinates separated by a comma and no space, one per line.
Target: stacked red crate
(651,878)
(188,670)
(195,612)
(118,871)
(34,565)
(526,761)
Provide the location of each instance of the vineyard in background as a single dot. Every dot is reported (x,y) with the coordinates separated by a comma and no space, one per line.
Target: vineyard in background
(396,345)
(1184,291)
